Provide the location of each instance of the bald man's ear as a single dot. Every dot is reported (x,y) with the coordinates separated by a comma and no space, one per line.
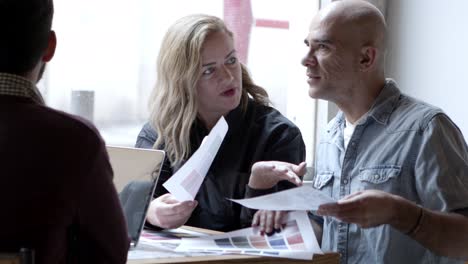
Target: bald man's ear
(368,58)
(51,45)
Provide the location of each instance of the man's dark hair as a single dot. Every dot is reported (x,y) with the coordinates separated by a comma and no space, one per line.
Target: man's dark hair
(25,27)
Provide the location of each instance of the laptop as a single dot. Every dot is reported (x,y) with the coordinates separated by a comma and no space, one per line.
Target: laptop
(136,173)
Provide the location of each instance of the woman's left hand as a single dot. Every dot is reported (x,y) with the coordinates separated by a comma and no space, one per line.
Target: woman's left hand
(266,174)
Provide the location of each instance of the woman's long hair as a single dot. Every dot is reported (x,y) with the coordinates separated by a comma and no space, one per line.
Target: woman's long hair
(173,101)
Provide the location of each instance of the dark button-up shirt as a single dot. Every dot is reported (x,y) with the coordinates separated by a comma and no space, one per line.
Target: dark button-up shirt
(260,133)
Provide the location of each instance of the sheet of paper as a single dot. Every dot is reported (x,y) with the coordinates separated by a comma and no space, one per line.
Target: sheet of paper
(185,183)
(295,240)
(299,198)
(161,244)
(163,249)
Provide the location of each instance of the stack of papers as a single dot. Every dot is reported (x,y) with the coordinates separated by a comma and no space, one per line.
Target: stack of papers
(295,240)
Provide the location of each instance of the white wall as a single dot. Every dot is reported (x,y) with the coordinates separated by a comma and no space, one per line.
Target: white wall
(428,53)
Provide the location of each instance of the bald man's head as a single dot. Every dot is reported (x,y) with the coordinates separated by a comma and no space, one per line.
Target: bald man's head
(362,18)
(359,22)
(346,43)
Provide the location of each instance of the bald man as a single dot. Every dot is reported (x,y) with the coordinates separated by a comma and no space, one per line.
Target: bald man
(398,166)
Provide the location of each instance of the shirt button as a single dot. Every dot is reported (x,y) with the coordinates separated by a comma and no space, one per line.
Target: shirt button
(345,181)
(353,143)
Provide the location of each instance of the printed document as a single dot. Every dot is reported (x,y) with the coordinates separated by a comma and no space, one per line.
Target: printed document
(296,239)
(186,182)
(299,198)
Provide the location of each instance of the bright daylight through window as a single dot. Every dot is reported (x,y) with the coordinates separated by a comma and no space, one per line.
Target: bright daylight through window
(104,67)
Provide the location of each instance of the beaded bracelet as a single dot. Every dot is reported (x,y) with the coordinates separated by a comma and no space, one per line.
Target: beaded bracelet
(418,224)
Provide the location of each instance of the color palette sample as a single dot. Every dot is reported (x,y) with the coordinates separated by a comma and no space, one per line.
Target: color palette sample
(289,238)
(296,239)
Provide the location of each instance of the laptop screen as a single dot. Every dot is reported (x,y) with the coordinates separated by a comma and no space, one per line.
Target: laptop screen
(136,172)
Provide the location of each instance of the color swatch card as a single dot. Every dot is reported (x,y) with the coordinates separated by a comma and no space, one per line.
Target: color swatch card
(296,239)
(186,182)
(161,244)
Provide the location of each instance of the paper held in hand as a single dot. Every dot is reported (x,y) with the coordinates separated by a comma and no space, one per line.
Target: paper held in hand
(186,182)
(299,198)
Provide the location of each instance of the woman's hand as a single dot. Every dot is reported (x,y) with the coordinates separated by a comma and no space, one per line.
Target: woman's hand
(266,174)
(268,221)
(167,212)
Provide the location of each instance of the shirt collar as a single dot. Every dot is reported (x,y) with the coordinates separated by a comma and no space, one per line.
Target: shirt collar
(233,117)
(381,109)
(15,85)
(385,102)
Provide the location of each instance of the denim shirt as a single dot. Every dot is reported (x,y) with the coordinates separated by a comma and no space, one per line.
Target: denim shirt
(404,147)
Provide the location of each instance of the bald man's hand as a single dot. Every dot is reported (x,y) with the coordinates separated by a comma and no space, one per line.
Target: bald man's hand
(364,208)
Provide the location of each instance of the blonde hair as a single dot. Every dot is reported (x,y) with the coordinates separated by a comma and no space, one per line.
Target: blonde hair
(173,101)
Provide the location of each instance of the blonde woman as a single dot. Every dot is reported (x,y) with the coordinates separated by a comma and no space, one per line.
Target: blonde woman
(200,79)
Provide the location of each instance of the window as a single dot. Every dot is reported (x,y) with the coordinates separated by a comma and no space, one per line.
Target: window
(104,67)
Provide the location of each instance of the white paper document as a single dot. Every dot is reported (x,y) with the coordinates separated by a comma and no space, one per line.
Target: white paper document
(295,240)
(161,244)
(186,182)
(299,198)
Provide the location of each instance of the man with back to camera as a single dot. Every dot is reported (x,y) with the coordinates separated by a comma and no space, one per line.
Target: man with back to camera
(398,166)
(56,194)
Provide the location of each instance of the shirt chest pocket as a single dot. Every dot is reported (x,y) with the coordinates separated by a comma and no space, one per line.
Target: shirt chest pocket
(324,181)
(381,177)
